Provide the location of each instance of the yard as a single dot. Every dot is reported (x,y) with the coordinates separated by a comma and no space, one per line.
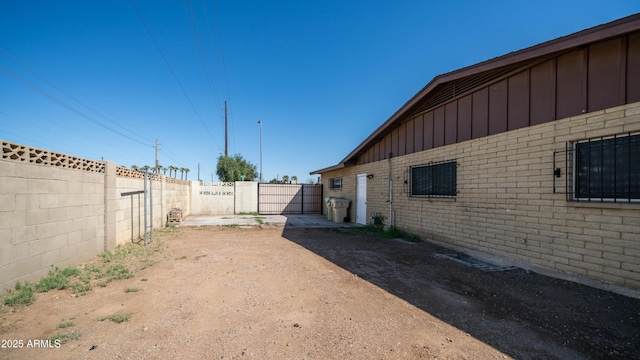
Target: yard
(268,292)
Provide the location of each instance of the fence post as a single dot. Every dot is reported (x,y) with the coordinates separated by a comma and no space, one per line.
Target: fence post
(110,206)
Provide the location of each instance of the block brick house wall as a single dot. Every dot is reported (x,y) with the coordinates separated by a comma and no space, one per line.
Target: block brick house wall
(517,156)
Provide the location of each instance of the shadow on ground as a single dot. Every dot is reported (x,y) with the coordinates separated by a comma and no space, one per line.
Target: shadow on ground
(522,314)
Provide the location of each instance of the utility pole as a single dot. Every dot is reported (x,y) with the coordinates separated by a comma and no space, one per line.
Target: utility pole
(156,170)
(260,122)
(226,132)
(198,171)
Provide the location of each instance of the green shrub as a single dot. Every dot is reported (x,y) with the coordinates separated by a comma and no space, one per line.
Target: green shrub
(392,233)
(65,324)
(64,337)
(116,318)
(22,294)
(118,271)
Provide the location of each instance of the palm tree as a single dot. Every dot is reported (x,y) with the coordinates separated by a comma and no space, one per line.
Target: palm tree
(164,170)
(134,167)
(186,173)
(294,179)
(145,168)
(285,179)
(174,169)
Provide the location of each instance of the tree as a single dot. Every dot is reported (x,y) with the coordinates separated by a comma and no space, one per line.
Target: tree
(174,169)
(181,173)
(294,179)
(285,179)
(186,173)
(231,169)
(145,168)
(164,170)
(134,167)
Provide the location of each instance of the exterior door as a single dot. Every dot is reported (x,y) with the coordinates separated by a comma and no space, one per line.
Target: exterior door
(361,199)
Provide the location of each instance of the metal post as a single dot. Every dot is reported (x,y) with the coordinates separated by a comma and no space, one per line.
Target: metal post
(226,137)
(145,208)
(260,122)
(566,170)
(132,217)
(150,208)
(139,220)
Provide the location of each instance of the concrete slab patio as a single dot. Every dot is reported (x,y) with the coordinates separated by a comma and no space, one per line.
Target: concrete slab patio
(289,221)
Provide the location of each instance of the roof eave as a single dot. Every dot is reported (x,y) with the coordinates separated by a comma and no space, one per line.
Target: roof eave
(618,27)
(327,169)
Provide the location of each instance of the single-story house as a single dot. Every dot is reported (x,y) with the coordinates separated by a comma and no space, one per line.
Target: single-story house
(531,159)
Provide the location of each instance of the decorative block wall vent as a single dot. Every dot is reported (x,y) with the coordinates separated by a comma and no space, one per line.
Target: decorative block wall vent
(16,152)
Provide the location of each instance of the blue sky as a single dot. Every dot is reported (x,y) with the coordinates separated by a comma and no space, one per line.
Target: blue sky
(87,79)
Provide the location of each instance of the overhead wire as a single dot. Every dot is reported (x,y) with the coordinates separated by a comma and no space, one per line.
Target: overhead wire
(164,150)
(64,104)
(195,32)
(166,61)
(22,131)
(76,99)
(224,66)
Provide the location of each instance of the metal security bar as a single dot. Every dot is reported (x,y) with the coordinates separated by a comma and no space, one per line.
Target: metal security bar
(563,171)
(434,180)
(605,169)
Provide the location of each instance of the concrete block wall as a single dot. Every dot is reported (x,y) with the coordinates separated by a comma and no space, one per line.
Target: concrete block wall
(224,198)
(49,216)
(246,197)
(506,208)
(213,198)
(176,195)
(164,194)
(58,210)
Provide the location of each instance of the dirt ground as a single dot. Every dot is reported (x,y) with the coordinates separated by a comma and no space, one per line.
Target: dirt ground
(296,293)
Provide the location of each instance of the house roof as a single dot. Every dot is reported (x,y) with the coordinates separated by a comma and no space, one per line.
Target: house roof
(445,87)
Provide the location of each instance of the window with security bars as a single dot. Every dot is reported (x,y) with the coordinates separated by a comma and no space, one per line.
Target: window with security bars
(335,183)
(608,169)
(434,180)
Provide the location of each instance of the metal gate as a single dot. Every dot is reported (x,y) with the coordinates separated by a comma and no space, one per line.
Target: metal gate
(289,199)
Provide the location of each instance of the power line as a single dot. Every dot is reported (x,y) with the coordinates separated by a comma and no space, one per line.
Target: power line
(224,67)
(195,32)
(55,138)
(170,68)
(71,96)
(171,155)
(62,103)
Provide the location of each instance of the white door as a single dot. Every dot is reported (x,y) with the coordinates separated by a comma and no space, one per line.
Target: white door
(361,199)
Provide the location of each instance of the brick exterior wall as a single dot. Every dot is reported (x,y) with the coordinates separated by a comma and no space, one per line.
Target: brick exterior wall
(506,207)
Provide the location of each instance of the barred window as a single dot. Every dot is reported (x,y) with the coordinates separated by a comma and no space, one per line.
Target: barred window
(434,180)
(608,169)
(335,183)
